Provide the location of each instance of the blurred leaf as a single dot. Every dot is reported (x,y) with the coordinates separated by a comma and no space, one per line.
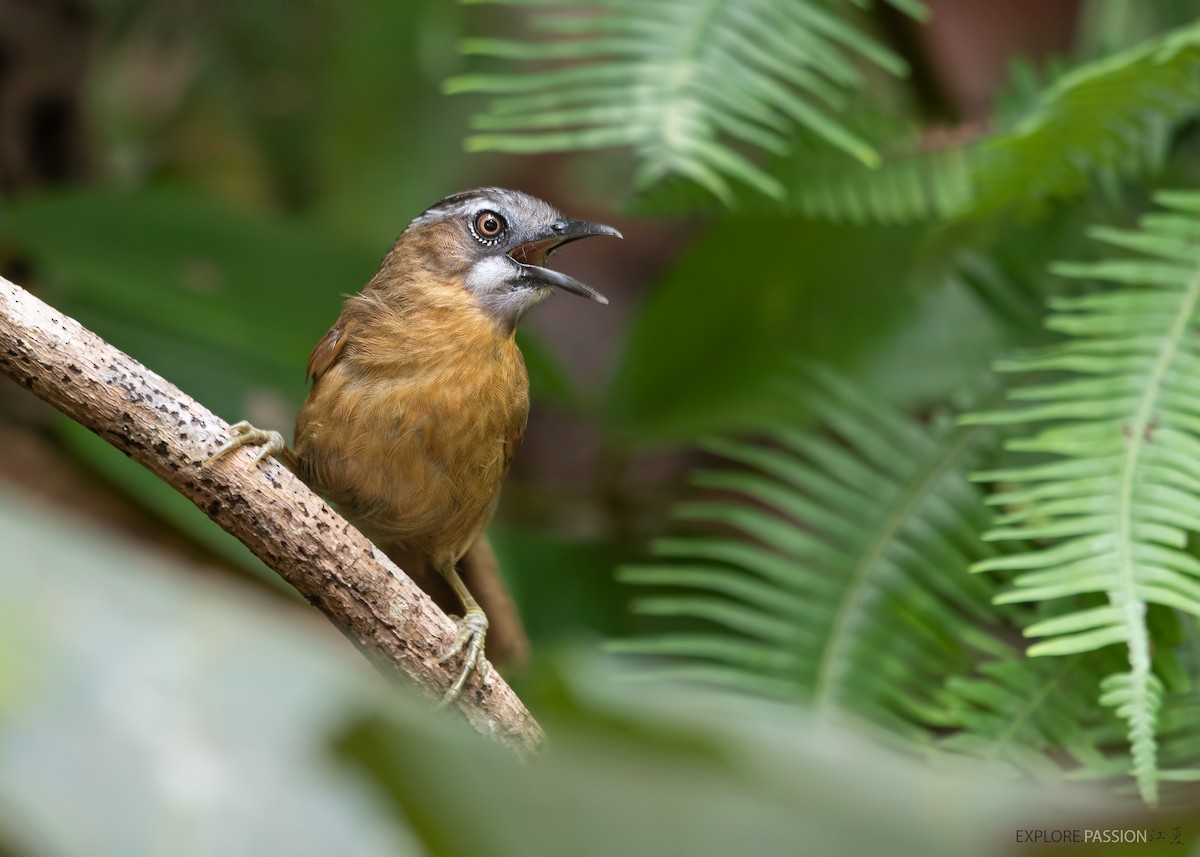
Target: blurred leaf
(647,772)
(1030,713)
(748,297)
(217,300)
(1108,25)
(381,125)
(314,110)
(162,716)
(547,381)
(178,718)
(913,186)
(1051,141)
(944,346)
(1114,115)
(988,299)
(912,183)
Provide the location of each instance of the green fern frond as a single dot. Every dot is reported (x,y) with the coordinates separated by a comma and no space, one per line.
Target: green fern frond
(1093,124)
(1009,296)
(824,185)
(1117,500)
(691,87)
(923,186)
(1059,145)
(1178,746)
(1018,711)
(1052,142)
(843,581)
(1113,115)
(1179,740)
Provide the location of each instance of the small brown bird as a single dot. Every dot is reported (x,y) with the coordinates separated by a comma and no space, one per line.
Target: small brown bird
(420,394)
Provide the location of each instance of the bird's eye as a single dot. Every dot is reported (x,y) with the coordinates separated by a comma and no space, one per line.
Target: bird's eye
(488,224)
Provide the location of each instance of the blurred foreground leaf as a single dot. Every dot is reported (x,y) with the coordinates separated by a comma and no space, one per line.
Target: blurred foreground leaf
(642,771)
(155,715)
(152,714)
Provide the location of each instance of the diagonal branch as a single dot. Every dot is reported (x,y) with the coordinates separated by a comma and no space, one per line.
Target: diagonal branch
(284,523)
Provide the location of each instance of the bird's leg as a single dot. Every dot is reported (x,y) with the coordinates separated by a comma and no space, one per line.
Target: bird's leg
(472,630)
(244,434)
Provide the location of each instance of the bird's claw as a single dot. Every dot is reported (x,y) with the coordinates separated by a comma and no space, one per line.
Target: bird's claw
(244,434)
(472,631)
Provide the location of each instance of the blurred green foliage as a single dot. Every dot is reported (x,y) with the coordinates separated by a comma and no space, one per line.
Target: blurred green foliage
(217,300)
(155,713)
(739,305)
(254,161)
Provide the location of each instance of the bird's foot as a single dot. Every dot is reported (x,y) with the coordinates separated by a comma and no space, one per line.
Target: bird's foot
(244,434)
(472,630)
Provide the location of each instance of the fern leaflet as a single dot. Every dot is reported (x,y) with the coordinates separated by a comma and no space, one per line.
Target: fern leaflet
(688,85)
(845,583)
(1117,500)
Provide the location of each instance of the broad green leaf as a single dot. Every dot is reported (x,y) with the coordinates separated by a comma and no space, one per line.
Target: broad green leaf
(224,303)
(380,126)
(750,296)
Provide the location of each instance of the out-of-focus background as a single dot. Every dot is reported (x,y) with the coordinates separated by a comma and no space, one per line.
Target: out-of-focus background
(743,471)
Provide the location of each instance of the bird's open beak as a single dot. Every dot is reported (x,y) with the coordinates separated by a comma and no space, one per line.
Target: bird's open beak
(531,255)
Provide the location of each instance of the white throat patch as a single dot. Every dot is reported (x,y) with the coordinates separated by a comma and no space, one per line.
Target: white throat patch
(490,280)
